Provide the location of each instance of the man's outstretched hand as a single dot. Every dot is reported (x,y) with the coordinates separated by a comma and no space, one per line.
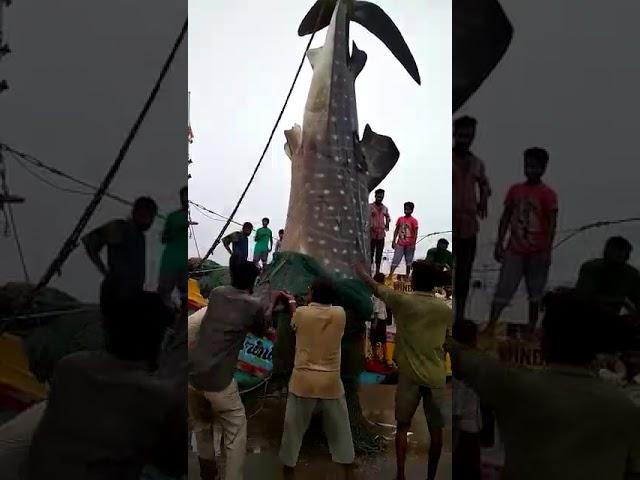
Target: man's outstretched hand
(361,270)
(363,273)
(281,294)
(487,341)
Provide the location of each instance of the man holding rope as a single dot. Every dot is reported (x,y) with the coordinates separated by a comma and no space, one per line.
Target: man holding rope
(212,363)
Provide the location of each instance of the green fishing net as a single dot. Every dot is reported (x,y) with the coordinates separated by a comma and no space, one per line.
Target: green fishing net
(296,272)
(213,275)
(56,325)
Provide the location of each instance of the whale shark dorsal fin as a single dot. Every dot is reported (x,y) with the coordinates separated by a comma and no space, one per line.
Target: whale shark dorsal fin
(358,60)
(381,155)
(309,22)
(294,141)
(312,55)
(374,19)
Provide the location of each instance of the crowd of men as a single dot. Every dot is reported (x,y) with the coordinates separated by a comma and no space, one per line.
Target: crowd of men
(237,244)
(563,421)
(119,411)
(315,383)
(422,320)
(125,244)
(403,243)
(578,425)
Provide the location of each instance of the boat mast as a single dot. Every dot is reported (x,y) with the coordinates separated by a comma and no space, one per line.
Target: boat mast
(192,233)
(5,197)
(4,47)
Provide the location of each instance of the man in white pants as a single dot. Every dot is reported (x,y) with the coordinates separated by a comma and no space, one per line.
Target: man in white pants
(15,439)
(207,430)
(212,363)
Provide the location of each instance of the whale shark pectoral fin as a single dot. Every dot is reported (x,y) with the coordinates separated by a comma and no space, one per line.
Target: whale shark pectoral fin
(288,151)
(312,55)
(374,19)
(481,36)
(358,60)
(294,141)
(308,24)
(381,155)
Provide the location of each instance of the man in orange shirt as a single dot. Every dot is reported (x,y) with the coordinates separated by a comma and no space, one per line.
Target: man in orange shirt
(471,192)
(379,227)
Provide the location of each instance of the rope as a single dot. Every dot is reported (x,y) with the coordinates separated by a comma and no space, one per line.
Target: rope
(19,159)
(599,224)
(18,243)
(572,233)
(208,270)
(20,156)
(203,209)
(264,152)
(422,237)
(12,218)
(193,235)
(71,243)
(222,217)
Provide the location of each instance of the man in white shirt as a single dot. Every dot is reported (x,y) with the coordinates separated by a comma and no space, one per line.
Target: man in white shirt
(467,416)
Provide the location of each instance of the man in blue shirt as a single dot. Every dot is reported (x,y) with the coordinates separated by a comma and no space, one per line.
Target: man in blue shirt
(237,244)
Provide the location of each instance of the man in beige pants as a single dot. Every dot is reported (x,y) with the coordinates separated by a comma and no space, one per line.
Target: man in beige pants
(207,430)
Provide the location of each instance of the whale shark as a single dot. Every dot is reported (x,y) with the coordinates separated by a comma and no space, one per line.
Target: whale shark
(333,170)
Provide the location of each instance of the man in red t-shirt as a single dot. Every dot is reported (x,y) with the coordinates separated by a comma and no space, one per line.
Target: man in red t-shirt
(530,215)
(470,196)
(379,226)
(404,239)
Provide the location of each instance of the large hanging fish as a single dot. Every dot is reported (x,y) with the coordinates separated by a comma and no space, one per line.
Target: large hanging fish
(333,169)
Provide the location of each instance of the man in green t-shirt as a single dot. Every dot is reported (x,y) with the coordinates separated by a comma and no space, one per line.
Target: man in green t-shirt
(422,322)
(440,256)
(264,244)
(173,267)
(611,280)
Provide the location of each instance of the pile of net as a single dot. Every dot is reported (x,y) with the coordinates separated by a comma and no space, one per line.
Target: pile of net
(295,273)
(209,275)
(54,326)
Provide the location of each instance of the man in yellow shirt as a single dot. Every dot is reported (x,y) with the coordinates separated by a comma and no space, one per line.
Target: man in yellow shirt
(422,321)
(315,382)
(562,421)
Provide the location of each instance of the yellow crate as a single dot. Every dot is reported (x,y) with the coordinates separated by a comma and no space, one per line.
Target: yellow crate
(14,369)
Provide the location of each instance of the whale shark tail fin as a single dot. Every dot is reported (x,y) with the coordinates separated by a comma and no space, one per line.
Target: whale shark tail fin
(320,14)
(481,36)
(374,19)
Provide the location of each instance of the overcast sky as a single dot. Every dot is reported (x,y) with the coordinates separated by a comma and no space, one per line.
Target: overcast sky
(240,70)
(567,83)
(79,75)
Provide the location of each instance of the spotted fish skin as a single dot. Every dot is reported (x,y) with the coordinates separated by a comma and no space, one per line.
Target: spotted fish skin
(332,169)
(328,204)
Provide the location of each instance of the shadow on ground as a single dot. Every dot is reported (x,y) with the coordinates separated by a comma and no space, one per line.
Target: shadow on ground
(265,430)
